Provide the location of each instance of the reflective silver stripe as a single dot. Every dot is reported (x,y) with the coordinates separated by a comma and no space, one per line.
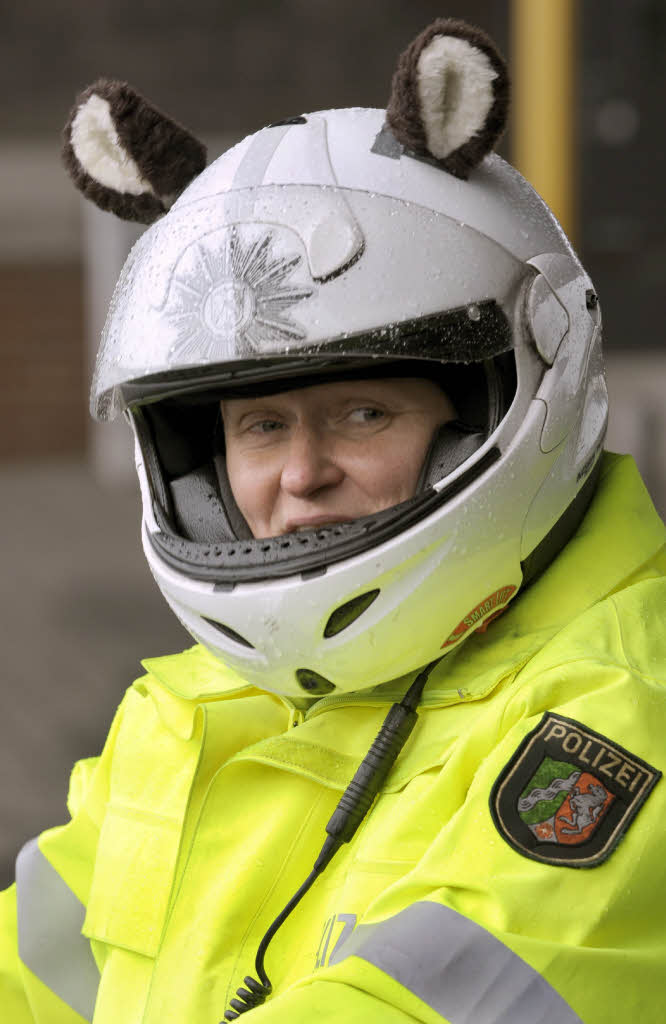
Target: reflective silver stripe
(457,968)
(258,156)
(349,922)
(50,943)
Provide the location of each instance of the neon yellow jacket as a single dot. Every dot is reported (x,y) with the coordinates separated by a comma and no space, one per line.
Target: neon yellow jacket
(512,870)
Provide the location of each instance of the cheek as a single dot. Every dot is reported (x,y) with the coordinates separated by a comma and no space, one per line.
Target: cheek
(251,487)
(389,470)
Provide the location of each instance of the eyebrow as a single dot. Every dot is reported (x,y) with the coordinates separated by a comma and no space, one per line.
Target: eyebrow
(238,414)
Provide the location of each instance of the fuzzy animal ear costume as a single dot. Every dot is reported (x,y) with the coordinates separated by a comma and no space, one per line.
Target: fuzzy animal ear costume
(125,155)
(450,96)
(448,104)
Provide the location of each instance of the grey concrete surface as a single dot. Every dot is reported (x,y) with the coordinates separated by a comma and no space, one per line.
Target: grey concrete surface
(79,609)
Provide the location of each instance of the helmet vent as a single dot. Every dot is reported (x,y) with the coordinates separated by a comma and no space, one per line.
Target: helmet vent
(349,612)
(313,683)
(231,634)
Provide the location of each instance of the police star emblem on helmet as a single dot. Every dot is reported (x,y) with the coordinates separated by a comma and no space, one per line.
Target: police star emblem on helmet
(231,290)
(568,794)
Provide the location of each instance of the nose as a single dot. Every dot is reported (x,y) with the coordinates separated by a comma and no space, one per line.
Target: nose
(310,465)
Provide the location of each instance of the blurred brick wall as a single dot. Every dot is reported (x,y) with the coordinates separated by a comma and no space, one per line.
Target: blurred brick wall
(42,404)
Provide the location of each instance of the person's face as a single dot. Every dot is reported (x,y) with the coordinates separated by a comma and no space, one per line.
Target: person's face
(330,452)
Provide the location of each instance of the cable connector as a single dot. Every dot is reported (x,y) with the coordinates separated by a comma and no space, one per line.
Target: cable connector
(371,774)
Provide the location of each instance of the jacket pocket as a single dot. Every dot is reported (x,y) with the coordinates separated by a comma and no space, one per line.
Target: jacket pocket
(131,885)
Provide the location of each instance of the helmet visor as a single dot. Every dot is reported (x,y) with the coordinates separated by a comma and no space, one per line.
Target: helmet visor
(226,288)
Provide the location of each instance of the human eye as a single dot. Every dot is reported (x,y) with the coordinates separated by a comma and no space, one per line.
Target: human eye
(366,414)
(258,426)
(265,426)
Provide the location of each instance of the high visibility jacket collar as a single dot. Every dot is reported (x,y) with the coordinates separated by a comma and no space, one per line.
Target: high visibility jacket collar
(620,519)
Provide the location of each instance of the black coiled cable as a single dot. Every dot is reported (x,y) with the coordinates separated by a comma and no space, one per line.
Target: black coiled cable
(259,988)
(352,807)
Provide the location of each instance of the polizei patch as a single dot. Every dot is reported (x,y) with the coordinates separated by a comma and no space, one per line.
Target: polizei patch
(568,794)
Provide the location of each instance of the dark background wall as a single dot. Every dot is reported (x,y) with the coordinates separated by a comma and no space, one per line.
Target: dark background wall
(217,65)
(622,165)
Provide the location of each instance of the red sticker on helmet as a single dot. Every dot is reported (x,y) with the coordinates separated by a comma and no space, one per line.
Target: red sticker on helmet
(490,606)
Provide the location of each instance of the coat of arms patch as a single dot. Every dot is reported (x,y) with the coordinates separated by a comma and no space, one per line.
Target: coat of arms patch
(568,794)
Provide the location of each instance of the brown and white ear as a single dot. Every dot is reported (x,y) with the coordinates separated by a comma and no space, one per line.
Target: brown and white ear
(449,96)
(126,156)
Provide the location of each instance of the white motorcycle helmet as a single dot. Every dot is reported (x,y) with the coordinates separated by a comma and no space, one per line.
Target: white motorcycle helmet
(348,242)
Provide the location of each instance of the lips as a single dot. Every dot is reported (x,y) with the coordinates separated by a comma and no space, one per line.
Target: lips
(298,525)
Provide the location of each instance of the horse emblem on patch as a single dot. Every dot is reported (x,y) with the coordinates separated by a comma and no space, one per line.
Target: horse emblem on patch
(568,794)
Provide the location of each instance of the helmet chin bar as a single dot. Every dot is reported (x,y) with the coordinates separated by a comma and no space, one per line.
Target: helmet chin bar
(308,552)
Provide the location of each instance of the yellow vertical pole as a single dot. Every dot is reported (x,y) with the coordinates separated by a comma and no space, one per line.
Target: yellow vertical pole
(543,43)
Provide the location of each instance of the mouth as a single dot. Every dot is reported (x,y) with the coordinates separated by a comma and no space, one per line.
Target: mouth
(298,526)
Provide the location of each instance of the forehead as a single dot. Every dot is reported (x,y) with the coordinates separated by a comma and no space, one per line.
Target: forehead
(395,390)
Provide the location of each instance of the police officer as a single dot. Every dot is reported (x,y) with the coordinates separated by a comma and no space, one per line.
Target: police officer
(362,366)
